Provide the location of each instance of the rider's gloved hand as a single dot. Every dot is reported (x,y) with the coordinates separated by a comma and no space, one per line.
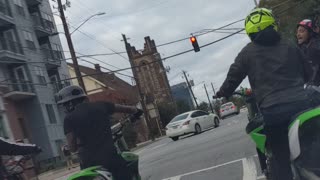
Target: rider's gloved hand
(220,94)
(136,115)
(37,150)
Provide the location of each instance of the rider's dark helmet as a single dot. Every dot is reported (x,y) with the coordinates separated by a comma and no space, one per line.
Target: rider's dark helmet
(70,96)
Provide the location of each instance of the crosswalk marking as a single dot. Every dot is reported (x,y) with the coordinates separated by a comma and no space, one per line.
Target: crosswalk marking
(249,169)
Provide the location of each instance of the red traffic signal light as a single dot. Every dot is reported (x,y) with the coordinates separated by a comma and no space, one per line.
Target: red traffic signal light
(195,44)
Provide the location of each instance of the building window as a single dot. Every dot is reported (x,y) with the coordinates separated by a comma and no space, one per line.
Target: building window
(40,75)
(19,7)
(51,115)
(66,82)
(23,128)
(56,51)
(4,8)
(29,40)
(48,21)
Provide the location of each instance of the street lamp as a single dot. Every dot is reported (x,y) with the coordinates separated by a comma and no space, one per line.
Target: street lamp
(98,14)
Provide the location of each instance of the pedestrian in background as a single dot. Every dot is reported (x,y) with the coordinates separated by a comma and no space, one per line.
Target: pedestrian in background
(67,154)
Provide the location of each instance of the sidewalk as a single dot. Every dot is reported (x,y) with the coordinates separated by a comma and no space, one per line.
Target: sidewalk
(60,174)
(146,143)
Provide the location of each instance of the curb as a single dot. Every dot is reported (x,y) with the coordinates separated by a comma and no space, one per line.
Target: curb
(146,143)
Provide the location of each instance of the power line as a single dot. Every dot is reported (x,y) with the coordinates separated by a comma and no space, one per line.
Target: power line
(84,56)
(175,76)
(105,63)
(169,42)
(100,43)
(222,38)
(290,7)
(107,68)
(155,61)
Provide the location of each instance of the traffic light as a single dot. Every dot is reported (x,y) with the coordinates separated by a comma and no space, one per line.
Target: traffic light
(195,44)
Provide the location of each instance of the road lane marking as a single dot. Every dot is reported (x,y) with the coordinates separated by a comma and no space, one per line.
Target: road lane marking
(205,169)
(150,148)
(158,146)
(249,169)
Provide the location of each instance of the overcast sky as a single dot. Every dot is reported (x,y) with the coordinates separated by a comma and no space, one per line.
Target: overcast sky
(163,21)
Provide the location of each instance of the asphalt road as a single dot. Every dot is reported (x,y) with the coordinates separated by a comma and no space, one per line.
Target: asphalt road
(223,153)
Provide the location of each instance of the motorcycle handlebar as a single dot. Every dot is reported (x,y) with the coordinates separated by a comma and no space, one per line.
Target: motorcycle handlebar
(234,93)
(119,126)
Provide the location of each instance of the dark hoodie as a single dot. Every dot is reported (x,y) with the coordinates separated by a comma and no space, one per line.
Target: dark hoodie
(276,69)
(312,53)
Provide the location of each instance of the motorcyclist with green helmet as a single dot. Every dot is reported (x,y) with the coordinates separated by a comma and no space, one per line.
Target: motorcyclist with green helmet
(277,73)
(88,130)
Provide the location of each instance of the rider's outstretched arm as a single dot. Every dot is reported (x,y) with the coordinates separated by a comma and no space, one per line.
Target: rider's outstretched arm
(11,148)
(125,109)
(237,72)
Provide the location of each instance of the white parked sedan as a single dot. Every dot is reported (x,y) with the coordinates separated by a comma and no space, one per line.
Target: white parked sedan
(228,109)
(191,122)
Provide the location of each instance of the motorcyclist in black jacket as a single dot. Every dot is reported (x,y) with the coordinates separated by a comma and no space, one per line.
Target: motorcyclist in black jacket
(87,127)
(309,41)
(277,73)
(11,148)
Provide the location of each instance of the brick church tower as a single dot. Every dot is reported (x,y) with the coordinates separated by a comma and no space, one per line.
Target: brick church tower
(152,79)
(151,73)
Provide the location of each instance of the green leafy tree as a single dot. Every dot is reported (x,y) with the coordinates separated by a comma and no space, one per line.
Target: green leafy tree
(167,112)
(204,106)
(182,106)
(289,13)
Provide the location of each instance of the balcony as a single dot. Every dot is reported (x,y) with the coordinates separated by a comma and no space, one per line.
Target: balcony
(10,51)
(32,3)
(6,19)
(43,27)
(18,90)
(52,57)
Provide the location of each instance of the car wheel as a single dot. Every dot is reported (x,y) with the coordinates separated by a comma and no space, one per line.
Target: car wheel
(175,138)
(197,128)
(216,122)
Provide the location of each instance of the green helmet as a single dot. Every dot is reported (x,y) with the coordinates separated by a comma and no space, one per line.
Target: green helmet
(258,20)
(70,93)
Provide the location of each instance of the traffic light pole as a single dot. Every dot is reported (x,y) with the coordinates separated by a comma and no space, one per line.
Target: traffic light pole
(208,98)
(71,48)
(195,100)
(214,92)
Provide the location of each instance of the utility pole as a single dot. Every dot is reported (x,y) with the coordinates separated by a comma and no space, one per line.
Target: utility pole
(205,87)
(256,3)
(71,48)
(195,100)
(142,97)
(214,92)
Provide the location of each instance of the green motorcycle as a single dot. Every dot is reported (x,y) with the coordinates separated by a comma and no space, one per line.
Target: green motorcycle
(304,140)
(100,173)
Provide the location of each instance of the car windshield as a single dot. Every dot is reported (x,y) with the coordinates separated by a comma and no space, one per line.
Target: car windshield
(179,118)
(226,105)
